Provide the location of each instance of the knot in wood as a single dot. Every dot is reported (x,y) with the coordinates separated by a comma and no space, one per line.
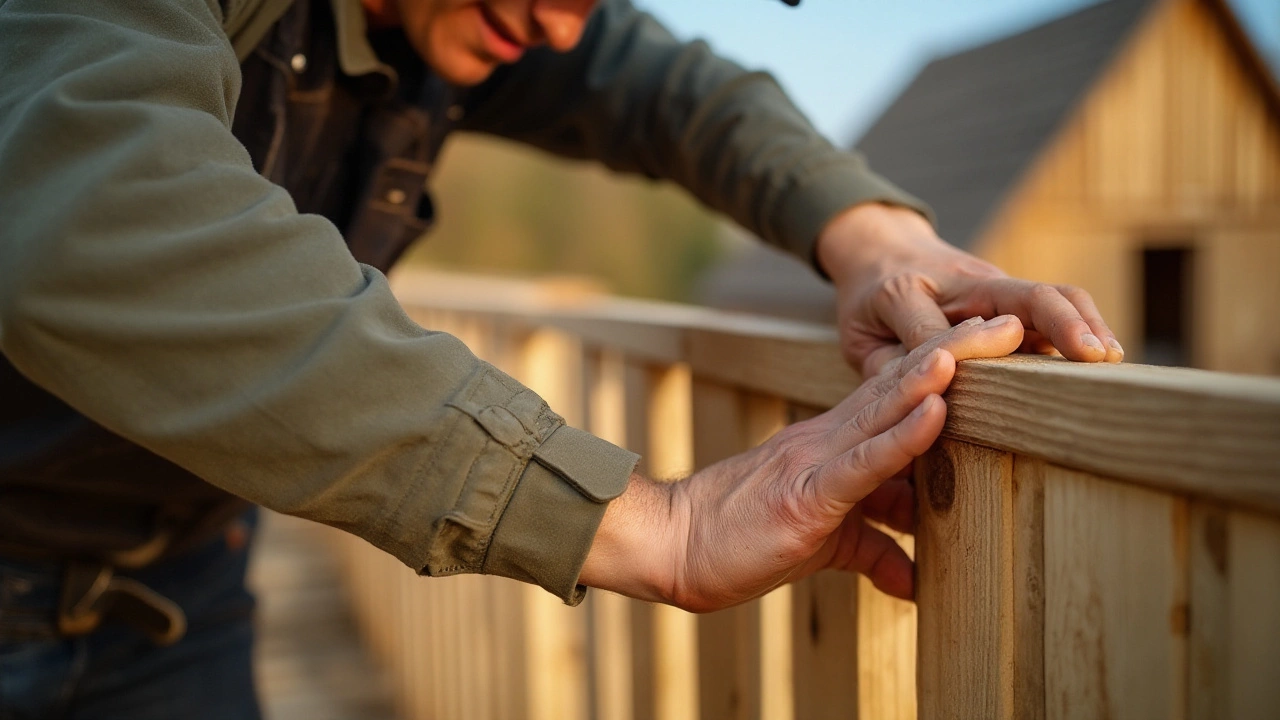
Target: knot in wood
(940,483)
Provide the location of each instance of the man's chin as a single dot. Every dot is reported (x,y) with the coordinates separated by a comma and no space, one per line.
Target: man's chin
(466,72)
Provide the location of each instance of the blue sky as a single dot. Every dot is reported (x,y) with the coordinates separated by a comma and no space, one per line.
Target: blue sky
(843,61)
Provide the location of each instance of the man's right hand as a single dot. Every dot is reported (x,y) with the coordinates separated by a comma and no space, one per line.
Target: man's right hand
(798,503)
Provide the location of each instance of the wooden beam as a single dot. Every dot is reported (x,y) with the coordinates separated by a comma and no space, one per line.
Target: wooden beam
(1206,434)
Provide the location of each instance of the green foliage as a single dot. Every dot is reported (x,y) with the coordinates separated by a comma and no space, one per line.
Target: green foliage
(506,209)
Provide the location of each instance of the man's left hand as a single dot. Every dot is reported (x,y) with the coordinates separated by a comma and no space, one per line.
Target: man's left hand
(898,284)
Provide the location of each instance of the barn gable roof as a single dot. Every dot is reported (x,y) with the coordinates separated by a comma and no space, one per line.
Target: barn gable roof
(965,130)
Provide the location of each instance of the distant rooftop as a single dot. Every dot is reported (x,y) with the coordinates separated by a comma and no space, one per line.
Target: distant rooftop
(963,132)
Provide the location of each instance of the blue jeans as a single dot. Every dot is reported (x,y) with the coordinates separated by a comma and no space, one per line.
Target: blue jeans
(117,673)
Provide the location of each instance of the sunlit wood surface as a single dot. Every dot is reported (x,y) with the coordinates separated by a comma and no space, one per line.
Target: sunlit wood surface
(310,663)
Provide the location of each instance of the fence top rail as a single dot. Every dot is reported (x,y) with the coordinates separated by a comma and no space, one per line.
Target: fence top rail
(1206,434)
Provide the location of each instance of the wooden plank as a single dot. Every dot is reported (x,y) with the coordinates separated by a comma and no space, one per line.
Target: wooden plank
(1116,566)
(1206,434)
(1254,563)
(964,582)
(1028,587)
(824,646)
(777,692)
(1209,644)
(886,649)
(803,371)
(1234,652)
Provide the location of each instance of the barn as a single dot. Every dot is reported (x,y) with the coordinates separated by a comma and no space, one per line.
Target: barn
(1131,148)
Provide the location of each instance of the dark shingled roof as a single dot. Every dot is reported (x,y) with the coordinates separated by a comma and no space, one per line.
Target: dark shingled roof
(961,135)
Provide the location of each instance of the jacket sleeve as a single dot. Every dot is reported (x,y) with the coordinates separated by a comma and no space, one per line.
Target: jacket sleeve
(153,281)
(637,99)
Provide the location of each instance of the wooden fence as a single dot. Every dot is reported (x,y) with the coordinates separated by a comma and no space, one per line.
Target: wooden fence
(1094,541)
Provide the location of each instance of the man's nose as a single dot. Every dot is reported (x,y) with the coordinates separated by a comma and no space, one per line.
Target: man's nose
(562,21)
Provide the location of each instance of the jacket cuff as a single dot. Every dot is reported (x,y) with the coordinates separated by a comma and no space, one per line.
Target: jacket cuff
(506,489)
(825,192)
(546,531)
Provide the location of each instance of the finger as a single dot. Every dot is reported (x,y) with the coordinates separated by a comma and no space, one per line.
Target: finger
(1036,344)
(907,305)
(881,357)
(930,377)
(850,476)
(876,555)
(1083,303)
(893,503)
(1044,309)
(971,339)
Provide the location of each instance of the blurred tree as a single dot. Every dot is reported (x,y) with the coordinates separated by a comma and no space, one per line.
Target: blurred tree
(503,208)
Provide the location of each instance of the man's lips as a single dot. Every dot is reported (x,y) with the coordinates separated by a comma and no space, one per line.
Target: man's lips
(500,41)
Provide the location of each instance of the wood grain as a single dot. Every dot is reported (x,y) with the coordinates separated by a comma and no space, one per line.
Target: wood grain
(824,627)
(964,582)
(1234,652)
(1115,563)
(886,648)
(1028,587)
(1205,434)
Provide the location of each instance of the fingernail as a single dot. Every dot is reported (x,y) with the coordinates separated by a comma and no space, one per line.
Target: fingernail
(923,407)
(1091,340)
(928,363)
(998,321)
(1115,345)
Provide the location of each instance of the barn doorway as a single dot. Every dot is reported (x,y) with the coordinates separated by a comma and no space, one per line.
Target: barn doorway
(1167,306)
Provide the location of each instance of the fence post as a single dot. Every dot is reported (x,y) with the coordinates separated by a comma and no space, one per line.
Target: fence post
(964,551)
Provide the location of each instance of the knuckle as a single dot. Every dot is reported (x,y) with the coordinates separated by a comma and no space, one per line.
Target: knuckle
(1040,292)
(1073,292)
(864,423)
(900,285)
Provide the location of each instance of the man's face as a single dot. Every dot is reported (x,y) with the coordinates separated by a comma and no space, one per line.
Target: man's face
(465,40)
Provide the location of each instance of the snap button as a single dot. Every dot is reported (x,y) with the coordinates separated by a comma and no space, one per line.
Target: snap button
(395,196)
(298,63)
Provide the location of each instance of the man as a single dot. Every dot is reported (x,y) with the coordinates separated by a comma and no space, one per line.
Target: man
(183,328)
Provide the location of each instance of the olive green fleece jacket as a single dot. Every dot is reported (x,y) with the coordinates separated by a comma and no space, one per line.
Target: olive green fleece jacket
(154,282)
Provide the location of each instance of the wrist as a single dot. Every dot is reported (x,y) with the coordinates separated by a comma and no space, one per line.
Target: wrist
(640,544)
(868,237)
